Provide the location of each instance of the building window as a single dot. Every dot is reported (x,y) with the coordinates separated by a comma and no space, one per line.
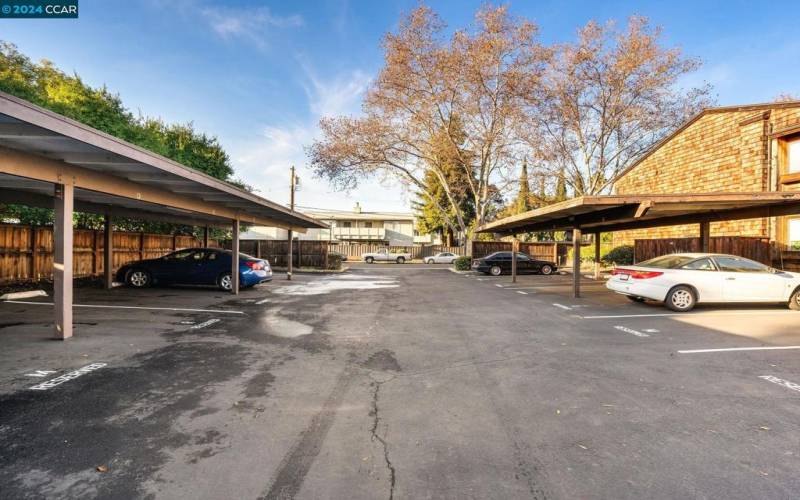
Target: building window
(793,153)
(368,224)
(347,223)
(794,233)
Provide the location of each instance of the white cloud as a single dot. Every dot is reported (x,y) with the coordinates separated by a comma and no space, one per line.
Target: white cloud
(336,96)
(252,25)
(263,160)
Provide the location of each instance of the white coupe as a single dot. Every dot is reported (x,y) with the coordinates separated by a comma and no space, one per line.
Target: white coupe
(682,280)
(441,258)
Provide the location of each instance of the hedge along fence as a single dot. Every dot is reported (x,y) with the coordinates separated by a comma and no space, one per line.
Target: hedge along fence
(26,252)
(543,250)
(305,253)
(356,250)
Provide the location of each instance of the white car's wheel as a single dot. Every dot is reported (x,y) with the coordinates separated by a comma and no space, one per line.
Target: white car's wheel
(794,301)
(138,278)
(495,271)
(681,298)
(429,261)
(401,260)
(369,260)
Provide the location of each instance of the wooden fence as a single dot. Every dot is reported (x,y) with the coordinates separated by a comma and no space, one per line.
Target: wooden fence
(754,248)
(542,250)
(356,250)
(26,252)
(788,260)
(305,253)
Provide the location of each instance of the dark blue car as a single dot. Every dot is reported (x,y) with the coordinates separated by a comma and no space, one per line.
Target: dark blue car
(195,266)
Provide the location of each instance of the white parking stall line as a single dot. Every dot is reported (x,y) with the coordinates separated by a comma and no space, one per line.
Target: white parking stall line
(562,306)
(692,315)
(205,324)
(262,301)
(521,292)
(631,331)
(734,349)
(499,285)
(102,306)
(785,383)
(40,373)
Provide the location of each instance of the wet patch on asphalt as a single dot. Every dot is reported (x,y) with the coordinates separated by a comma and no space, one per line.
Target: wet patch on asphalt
(121,418)
(382,360)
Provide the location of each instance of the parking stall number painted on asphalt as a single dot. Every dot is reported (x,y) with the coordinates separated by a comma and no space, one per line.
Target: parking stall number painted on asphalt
(631,331)
(67,377)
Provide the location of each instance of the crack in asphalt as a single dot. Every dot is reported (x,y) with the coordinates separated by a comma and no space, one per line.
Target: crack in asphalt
(375,436)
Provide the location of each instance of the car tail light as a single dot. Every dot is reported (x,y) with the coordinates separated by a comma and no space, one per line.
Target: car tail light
(637,275)
(254,265)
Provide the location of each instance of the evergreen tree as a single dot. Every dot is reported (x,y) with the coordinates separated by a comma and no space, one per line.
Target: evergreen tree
(523,203)
(561,187)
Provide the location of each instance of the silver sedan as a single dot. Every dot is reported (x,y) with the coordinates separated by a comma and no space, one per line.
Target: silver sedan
(441,258)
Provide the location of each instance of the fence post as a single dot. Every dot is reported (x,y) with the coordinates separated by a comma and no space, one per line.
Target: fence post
(141,245)
(174,242)
(34,267)
(94,252)
(555,254)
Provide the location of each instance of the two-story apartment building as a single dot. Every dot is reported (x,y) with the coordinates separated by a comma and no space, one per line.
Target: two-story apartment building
(727,149)
(356,226)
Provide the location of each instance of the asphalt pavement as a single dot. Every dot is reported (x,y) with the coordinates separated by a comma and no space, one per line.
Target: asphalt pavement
(399,382)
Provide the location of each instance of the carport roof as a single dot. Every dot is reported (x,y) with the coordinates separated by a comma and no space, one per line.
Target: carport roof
(38,146)
(595,214)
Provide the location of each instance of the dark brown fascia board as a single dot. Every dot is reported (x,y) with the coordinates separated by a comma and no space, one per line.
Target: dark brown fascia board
(784,131)
(48,120)
(602,204)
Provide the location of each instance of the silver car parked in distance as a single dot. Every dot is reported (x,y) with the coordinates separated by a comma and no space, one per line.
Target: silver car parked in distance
(441,258)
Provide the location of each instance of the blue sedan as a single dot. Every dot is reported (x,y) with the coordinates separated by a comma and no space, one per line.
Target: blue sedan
(195,266)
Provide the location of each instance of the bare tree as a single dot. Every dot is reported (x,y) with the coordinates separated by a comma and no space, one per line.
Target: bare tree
(436,100)
(605,100)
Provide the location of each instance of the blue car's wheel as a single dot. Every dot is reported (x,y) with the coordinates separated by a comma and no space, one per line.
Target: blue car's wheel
(225,282)
(138,278)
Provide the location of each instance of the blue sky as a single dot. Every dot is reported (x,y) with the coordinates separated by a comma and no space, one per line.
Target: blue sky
(259,75)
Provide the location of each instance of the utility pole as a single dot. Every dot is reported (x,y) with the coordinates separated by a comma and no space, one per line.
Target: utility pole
(291,206)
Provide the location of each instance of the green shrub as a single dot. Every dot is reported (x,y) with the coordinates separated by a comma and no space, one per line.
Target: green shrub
(463,263)
(621,255)
(334,262)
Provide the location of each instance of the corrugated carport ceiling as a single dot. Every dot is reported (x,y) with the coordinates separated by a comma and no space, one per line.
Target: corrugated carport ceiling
(35,193)
(38,131)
